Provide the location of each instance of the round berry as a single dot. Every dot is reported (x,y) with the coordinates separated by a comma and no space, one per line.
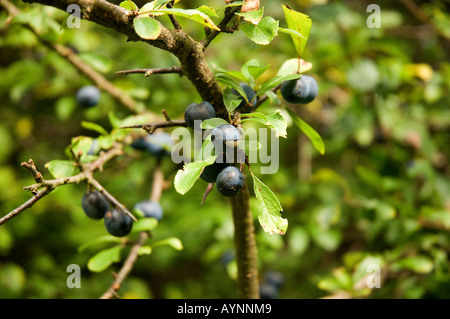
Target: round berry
(150,209)
(117,223)
(225,135)
(88,96)
(302,90)
(94,204)
(198,112)
(230,181)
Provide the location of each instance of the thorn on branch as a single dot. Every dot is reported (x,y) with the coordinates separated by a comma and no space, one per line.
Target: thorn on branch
(208,190)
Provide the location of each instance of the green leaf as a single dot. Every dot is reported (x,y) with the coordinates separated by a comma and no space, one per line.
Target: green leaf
(293,66)
(185,178)
(262,33)
(249,145)
(230,100)
(114,120)
(107,239)
(275,121)
(255,115)
(235,4)
(276,81)
(144,250)
(94,127)
(126,4)
(419,264)
(257,71)
(60,168)
(229,81)
(278,123)
(273,98)
(105,141)
(269,209)
(192,14)
(144,224)
(161,3)
(309,131)
(104,259)
(300,23)
(212,123)
(253,17)
(291,32)
(173,242)
(147,28)
(244,70)
(210,12)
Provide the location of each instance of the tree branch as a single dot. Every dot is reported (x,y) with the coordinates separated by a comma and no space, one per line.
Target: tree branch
(245,245)
(85,175)
(188,51)
(68,54)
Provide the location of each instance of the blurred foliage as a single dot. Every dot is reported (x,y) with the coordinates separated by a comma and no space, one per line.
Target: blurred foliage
(379,195)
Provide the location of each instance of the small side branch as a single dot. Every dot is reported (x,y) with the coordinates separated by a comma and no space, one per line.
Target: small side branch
(43,187)
(172,18)
(212,34)
(149,72)
(152,127)
(26,205)
(263,98)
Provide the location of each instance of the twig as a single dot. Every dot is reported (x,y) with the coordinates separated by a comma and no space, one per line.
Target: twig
(126,267)
(420,15)
(157,188)
(26,205)
(152,127)
(32,168)
(148,72)
(212,34)
(85,175)
(172,18)
(263,98)
(208,190)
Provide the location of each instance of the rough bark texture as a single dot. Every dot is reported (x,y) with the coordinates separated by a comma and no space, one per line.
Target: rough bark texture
(245,245)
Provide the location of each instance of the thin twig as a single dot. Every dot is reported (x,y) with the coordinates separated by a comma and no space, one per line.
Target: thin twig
(148,72)
(263,98)
(208,190)
(157,189)
(126,267)
(172,18)
(212,34)
(26,205)
(85,175)
(152,127)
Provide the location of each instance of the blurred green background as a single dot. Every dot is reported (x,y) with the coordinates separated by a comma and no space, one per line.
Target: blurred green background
(380,194)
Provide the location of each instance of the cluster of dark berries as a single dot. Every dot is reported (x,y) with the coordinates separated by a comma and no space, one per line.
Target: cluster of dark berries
(225,138)
(271,284)
(117,223)
(96,206)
